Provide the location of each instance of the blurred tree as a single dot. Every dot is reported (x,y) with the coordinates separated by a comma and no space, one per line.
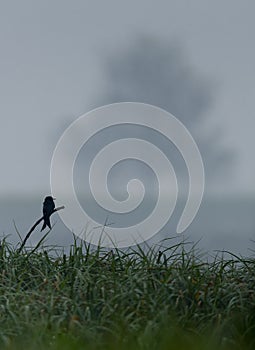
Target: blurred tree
(157,73)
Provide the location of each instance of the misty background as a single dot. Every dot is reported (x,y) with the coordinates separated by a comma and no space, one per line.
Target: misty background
(196,60)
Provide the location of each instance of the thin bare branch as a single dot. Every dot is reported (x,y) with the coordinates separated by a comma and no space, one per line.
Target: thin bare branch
(33,228)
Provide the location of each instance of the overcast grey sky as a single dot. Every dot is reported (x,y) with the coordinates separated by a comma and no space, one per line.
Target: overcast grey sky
(52,68)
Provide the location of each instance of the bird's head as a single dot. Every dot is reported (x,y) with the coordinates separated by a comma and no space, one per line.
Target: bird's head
(49,199)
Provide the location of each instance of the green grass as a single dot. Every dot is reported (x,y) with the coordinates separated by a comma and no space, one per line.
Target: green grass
(96,299)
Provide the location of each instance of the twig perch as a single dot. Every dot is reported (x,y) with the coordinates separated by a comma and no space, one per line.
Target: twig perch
(34,226)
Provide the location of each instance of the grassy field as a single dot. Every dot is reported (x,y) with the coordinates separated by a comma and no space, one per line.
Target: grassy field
(97,299)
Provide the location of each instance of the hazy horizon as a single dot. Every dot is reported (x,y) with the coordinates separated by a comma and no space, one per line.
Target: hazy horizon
(59,60)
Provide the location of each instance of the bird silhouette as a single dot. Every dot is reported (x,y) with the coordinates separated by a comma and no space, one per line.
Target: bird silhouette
(48,209)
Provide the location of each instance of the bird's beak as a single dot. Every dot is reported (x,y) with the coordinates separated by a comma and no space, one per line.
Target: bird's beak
(54,199)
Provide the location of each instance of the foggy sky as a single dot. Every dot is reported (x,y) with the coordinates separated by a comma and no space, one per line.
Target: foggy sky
(52,68)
